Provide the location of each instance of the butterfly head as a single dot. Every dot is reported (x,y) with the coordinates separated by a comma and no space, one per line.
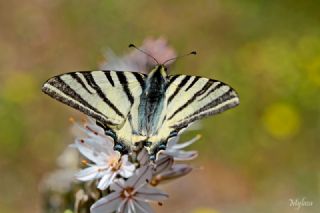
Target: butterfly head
(159,70)
(162,65)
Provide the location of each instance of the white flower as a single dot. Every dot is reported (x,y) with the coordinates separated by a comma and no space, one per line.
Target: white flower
(164,168)
(106,164)
(175,149)
(130,196)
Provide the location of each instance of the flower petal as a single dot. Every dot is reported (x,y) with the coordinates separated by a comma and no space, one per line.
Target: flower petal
(150,194)
(131,205)
(117,185)
(127,170)
(88,150)
(182,155)
(177,170)
(100,144)
(187,143)
(89,173)
(108,204)
(127,207)
(122,205)
(163,164)
(142,175)
(172,141)
(143,207)
(106,180)
(143,157)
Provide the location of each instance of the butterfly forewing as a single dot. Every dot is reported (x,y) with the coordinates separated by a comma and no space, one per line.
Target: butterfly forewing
(191,98)
(105,95)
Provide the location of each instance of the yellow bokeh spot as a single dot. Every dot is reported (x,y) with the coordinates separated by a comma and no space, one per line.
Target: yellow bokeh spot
(281,120)
(205,210)
(19,88)
(313,71)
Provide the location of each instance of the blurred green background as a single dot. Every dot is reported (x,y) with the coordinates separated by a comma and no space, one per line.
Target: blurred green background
(253,158)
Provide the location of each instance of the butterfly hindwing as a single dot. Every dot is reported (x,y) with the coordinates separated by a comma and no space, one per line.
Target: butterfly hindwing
(106,96)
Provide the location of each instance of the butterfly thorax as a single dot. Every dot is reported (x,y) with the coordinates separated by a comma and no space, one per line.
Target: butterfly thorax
(152,102)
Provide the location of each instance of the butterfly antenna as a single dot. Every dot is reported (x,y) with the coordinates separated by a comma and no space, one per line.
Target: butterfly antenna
(134,46)
(180,56)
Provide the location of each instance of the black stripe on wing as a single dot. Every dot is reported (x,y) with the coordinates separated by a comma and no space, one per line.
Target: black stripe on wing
(171,80)
(90,80)
(124,83)
(193,98)
(216,102)
(140,78)
(109,77)
(196,78)
(59,84)
(180,85)
(205,110)
(75,76)
(217,86)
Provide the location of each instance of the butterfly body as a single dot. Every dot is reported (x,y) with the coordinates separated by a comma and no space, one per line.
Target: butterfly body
(151,114)
(142,110)
(152,102)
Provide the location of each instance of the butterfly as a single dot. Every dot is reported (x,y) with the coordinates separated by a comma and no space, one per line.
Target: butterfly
(138,110)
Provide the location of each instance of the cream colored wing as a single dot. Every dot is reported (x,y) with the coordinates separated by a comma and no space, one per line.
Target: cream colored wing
(190,98)
(106,96)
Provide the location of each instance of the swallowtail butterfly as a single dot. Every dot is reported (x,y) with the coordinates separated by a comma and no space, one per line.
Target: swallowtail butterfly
(136,109)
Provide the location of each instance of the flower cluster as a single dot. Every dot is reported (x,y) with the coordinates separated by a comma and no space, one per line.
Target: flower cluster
(127,184)
(106,164)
